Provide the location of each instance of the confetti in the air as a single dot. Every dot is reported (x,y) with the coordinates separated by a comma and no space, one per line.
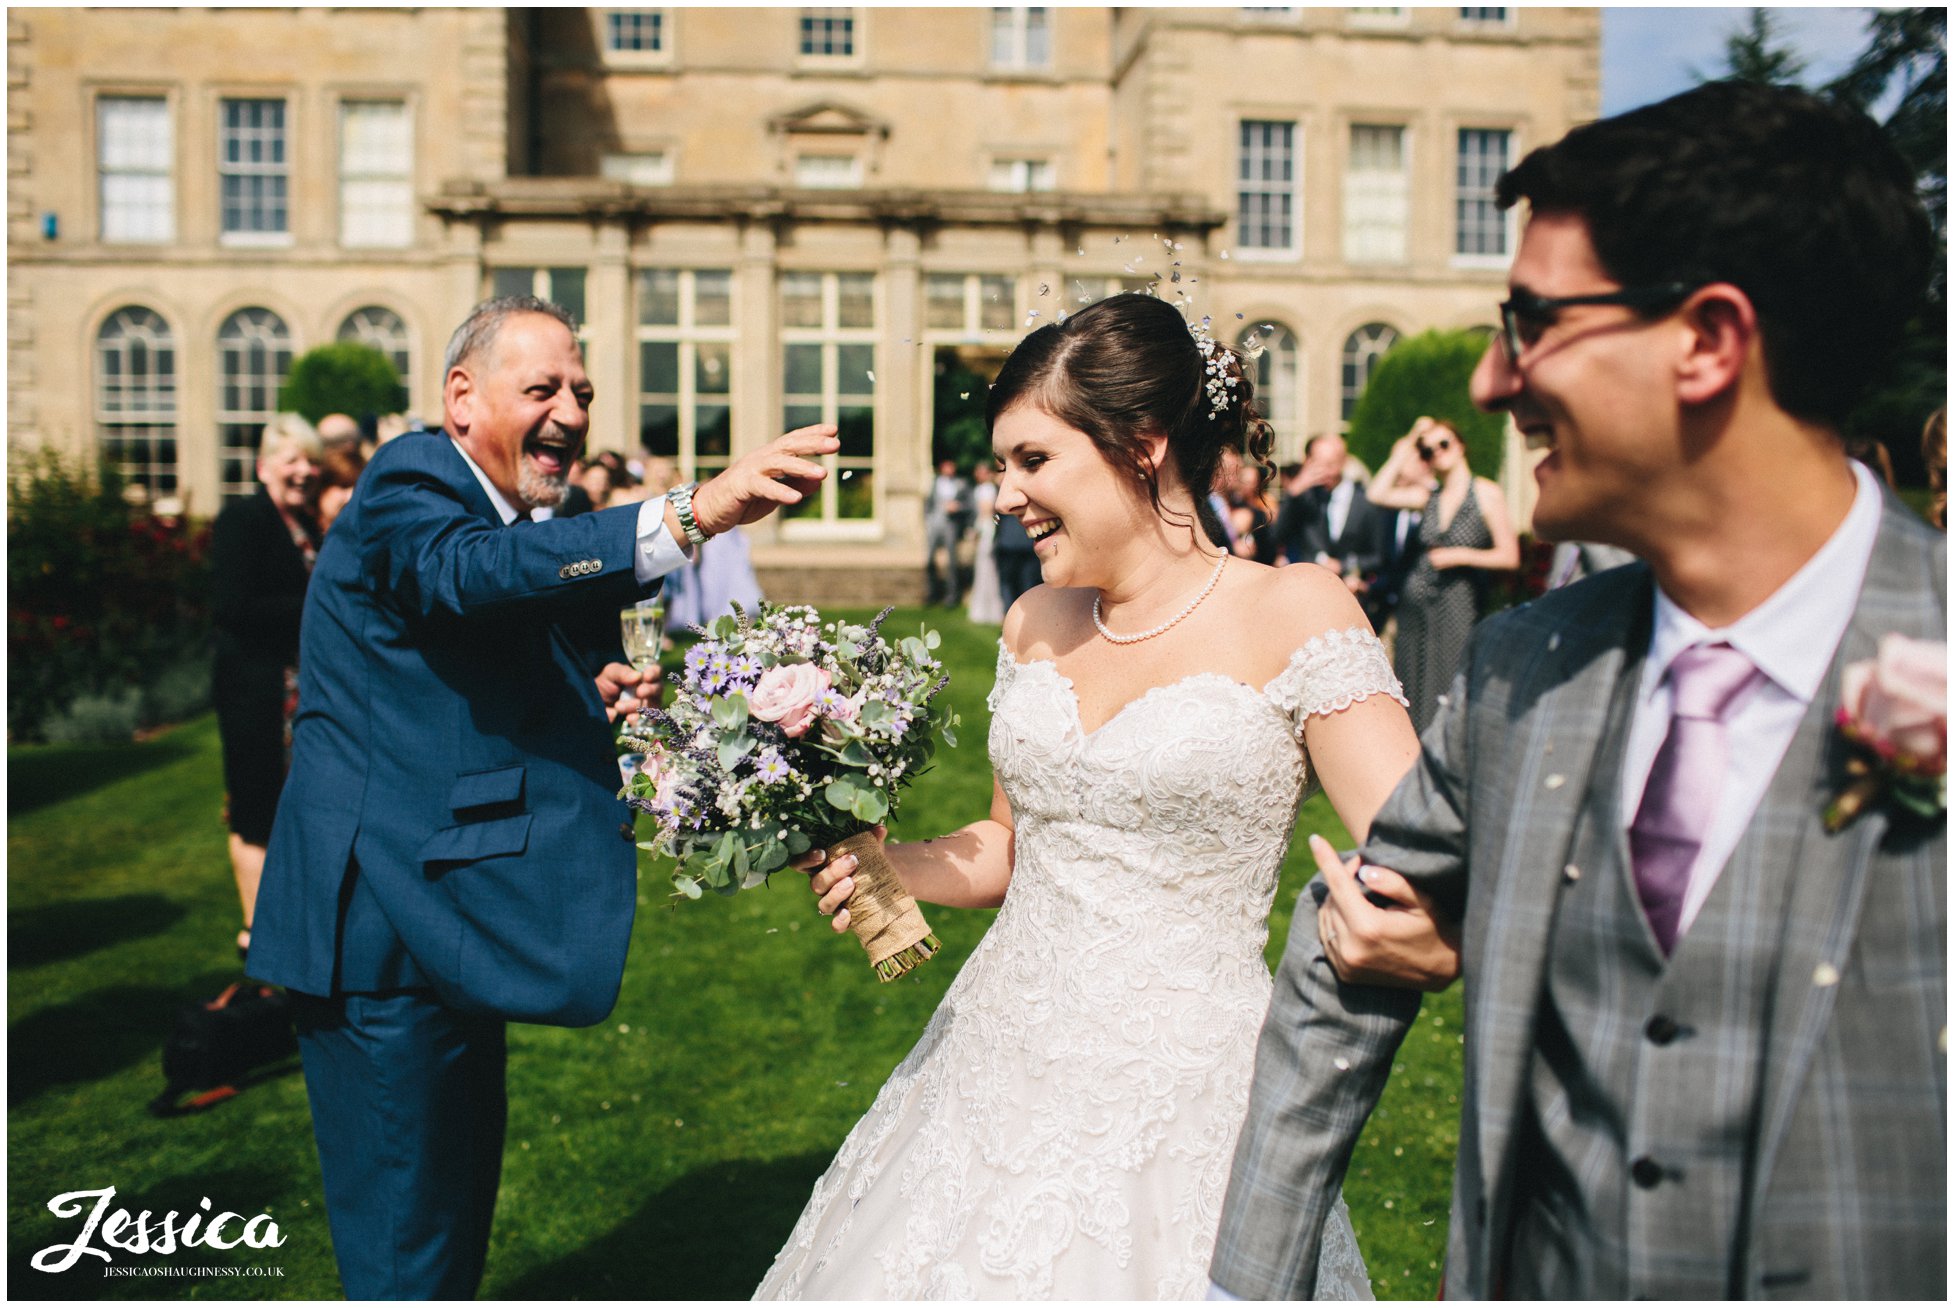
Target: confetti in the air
(871,374)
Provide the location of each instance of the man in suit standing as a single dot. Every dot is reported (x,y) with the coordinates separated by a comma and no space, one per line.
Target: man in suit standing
(1704,1048)
(1330,521)
(450,854)
(946,517)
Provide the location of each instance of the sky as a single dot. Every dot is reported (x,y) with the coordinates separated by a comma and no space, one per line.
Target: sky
(1647,54)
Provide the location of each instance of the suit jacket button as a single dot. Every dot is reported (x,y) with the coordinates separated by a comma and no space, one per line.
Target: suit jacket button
(628,830)
(564,572)
(1662,1029)
(1646,1171)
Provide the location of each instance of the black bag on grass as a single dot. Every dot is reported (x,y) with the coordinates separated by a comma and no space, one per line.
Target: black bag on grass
(216,1046)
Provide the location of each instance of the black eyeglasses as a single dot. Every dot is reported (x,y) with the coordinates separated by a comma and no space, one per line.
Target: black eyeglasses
(1525,316)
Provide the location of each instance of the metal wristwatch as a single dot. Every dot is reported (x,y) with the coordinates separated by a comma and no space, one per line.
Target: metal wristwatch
(681,496)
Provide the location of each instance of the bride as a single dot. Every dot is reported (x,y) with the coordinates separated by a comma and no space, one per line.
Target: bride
(1065,1126)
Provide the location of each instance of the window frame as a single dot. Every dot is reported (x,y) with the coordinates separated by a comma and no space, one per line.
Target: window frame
(661,17)
(1294,249)
(238,422)
(157,424)
(688,334)
(399,348)
(852,15)
(103,172)
(267,239)
(1347,397)
(1025,164)
(405,179)
(857,171)
(1405,173)
(1507,222)
(827,523)
(1014,23)
(1288,427)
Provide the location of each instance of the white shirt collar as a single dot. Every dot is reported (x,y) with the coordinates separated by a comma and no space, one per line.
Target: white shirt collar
(1792,635)
(505,510)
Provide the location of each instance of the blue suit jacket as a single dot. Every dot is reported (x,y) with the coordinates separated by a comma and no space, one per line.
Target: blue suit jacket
(451,817)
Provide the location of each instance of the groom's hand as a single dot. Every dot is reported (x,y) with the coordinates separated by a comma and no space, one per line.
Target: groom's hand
(1405,943)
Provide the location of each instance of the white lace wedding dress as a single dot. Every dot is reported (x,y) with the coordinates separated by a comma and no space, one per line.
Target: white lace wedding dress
(1065,1126)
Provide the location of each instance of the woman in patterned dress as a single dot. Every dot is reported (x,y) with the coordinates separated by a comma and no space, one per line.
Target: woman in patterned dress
(1465,533)
(1066,1125)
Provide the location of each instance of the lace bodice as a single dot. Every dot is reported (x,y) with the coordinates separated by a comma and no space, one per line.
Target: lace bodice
(1066,1124)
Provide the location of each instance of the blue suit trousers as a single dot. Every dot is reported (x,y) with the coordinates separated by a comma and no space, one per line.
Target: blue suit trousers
(409,1108)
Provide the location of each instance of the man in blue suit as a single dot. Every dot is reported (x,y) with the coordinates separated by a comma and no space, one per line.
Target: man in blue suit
(449,853)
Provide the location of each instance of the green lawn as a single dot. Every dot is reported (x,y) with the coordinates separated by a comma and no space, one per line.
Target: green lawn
(663,1154)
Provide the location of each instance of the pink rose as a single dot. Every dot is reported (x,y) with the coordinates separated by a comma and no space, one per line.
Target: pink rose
(788,694)
(1897,703)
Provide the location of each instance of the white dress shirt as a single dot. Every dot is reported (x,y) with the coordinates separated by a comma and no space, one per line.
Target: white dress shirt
(657,553)
(1337,513)
(1791,638)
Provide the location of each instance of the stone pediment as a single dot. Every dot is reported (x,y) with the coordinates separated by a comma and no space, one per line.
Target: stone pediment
(827,118)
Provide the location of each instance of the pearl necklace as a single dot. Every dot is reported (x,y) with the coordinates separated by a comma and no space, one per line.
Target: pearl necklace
(1149,634)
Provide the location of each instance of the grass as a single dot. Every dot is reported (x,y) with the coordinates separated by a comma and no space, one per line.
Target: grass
(662,1154)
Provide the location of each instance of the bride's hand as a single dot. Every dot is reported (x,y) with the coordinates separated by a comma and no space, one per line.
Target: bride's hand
(1407,944)
(831,882)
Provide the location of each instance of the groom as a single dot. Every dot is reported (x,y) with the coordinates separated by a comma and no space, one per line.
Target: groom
(1704,1045)
(450,853)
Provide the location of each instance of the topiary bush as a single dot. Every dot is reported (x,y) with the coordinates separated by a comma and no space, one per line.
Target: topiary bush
(104,601)
(1429,374)
(343,377)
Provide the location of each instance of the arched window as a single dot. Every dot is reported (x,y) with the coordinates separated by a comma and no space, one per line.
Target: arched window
(254,352)
(1361,351)
(1278,384)
(135,398)
(384,330)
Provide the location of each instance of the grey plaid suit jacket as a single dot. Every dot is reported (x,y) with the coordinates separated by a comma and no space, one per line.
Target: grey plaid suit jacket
(1847,1194)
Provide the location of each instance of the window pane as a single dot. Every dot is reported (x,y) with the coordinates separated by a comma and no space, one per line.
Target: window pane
(658,429)
(713,372)
(1265,172)
(857,299)
(943,300)
(1377,196)
(997,303)
(712,298)
(713,430)
(512,281)
(800,299)
(855,369)
(803,373)
(1481,227)
(658,297)
(658,367)
(251,154)
(566,290)
(135,164)
(855,493)
(857,424)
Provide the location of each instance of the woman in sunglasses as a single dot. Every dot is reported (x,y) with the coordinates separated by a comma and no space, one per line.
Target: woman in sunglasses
(1465,533)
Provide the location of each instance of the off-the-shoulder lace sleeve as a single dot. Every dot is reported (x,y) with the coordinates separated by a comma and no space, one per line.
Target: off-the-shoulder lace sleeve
(1006,669)
(1331,672)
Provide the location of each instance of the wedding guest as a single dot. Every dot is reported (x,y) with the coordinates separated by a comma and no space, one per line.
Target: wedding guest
(261,553)
(1465,534)
(339,471)
(340,431)
(450,854)
(1705,1022)
(946,517)
(1063,1127)
(986,597)
(1331,520)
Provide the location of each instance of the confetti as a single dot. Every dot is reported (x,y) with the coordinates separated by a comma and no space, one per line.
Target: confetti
(1224,254)
(1082,251)
(1044,289)
(1239,317)
(846,473)
(871,374)
(963,395)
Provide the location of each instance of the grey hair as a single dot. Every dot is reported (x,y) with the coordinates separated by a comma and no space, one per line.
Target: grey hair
(288,430)
(478,330)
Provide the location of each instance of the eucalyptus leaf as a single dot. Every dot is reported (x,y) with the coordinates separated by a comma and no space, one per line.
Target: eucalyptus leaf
(733,749)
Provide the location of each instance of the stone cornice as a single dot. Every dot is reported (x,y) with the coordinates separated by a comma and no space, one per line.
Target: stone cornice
(596,199)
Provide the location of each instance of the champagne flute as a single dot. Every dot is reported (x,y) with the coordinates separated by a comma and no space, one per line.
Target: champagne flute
(643,629)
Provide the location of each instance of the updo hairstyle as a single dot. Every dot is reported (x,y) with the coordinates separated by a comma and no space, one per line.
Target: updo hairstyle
(1126,367)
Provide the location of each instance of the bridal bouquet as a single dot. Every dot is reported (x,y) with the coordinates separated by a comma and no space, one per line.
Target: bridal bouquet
(787,734)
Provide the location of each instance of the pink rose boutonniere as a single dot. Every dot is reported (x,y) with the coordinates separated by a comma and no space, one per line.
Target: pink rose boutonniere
(1894,707)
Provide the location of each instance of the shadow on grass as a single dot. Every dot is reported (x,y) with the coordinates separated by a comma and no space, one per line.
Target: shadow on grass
(69,928)
(96,1034)
(39,775)
(711,1234)
(240,1190)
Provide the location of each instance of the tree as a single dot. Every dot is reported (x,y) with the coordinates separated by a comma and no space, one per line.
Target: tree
(1430,374)
(1753,53)
(343,377)
(960,399)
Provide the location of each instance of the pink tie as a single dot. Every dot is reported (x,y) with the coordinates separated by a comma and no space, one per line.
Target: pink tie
(1680,799)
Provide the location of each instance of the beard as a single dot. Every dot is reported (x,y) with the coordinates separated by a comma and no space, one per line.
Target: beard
(537,489)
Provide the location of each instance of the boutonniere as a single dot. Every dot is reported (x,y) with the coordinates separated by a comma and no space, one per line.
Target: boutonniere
(1893,708)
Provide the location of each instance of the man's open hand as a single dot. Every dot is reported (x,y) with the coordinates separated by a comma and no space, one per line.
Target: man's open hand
(756,484)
